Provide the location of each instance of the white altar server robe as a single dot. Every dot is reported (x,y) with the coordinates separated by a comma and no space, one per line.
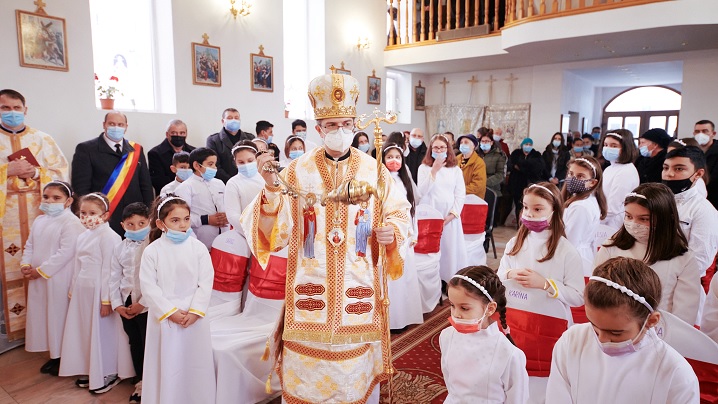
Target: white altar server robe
(178,364)
(582,373)
(483,367)
(581,219)
(203,198)
(50,248)
(618,181)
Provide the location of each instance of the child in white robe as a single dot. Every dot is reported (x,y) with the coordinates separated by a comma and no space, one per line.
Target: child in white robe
(180,166)
(205,196)
(441,185)
(47,263)
(93,343)
(125,292)
(617,357)
(243,187)
(585,207)
(621,176)
(540,256)
(404,293)
(176,281)
(651,233)
(479,363)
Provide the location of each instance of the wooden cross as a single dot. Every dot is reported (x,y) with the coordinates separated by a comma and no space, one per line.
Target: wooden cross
(333,69)
(205,39)
(471,89)
(342,65)
(261,50)
(40,7)
(444,83)
(491,87)
(511,80)
(373,72)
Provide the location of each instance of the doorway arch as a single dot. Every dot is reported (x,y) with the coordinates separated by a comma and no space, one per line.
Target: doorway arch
(641,108)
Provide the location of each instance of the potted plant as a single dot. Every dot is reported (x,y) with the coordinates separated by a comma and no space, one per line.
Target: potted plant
(107,91)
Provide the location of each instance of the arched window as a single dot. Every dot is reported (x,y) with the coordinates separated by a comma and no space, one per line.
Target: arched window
(642,108)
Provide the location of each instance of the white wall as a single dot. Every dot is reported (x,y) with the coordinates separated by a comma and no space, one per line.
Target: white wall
(700,91)
(63,103)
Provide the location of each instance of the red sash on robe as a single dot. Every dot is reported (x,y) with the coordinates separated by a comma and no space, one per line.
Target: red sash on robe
(268,283)
(707,374)
(579,313)
(230,270)
(535,334)
(429,238)
(473,218)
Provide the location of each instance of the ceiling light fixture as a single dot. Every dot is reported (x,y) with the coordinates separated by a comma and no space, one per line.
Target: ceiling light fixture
(243,8)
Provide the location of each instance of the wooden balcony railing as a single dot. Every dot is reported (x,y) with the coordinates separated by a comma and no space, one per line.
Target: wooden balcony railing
(422,22)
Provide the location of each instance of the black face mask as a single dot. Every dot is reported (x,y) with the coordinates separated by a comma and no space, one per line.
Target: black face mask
(177,141)
(678,186)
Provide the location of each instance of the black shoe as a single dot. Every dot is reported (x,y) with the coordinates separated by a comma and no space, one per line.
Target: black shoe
(55,370)
(49,365)
(110,382)
(82,383)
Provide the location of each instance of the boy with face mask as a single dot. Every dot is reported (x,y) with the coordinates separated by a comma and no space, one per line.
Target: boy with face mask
(683,172)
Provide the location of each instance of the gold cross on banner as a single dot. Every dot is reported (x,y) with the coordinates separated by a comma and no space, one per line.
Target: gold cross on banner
(444,83)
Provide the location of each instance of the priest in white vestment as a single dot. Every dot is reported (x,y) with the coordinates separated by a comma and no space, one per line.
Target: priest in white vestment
(21,184)
(335,334)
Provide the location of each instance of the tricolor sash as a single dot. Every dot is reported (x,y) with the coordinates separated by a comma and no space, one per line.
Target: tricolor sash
(121,176)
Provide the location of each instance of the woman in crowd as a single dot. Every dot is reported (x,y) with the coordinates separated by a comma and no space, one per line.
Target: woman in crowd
(494,161)
(555,158)
(361,142)
(526,166)
(472,166)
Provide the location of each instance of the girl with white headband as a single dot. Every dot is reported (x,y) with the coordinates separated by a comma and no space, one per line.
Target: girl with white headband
(176,278)
(652,233)
(243,187)
(479,360)
(585,206)
(621,176)
(94,346)
(47,263)
(617,357)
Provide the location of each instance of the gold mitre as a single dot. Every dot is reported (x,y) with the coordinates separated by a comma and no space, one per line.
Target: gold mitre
(334,96)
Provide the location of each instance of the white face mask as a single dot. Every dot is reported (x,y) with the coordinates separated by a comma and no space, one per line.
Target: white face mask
(702,139)
(639,231)
(339,140)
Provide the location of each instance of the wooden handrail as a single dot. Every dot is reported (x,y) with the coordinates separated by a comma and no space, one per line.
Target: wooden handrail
(423,20)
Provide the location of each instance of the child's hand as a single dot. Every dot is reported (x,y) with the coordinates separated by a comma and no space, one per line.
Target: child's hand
(190,319)
(528,278)
(178,317)
(105,310)
(26,270)
(218,219)
(124,312)
(448,219)
(135,309)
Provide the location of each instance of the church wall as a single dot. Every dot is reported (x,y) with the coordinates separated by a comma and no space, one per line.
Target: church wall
(700,92)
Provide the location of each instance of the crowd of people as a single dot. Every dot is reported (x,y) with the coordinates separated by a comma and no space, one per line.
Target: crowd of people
(185,268)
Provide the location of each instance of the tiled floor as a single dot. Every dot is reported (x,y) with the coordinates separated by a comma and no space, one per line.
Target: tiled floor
(22,383)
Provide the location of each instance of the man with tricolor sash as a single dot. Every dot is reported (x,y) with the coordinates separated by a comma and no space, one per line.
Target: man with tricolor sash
(29,159)
(114,166)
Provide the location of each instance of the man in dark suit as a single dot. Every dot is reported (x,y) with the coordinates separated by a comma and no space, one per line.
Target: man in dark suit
(96,159)
(223,141)
(160,157)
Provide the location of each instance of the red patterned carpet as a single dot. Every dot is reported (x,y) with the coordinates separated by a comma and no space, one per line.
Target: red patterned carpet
(417,359)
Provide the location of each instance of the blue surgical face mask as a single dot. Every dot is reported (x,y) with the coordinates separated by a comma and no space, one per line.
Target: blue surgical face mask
(137,235)
(527,148)
(12,118)
(294,154)
(364,147)
(496,138)
(301,134)
(596,135)
(415,142)
(232,125)
(178,237)
(485,146)
(184,173)
(115,133)
(269,139)
(556,143)
(465,149)
(209,173)
(644,151)
(52,209)
(611,153)
(438,156)
(578,149)
(248,170)
(586,148)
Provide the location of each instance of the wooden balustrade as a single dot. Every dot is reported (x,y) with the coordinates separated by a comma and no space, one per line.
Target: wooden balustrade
(421,22)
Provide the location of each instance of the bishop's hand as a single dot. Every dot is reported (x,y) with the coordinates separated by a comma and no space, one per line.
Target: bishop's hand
(265,162)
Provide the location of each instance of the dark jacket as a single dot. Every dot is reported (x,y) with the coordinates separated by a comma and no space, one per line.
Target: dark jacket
(222,144)
(495,161)
(650,168)
(413,160)
(525,170)
(160,160)
(563,157)
(93,163)
(712,170)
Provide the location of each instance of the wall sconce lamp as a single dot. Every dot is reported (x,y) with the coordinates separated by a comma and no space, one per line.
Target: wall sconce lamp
(243,8)
(363,43)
